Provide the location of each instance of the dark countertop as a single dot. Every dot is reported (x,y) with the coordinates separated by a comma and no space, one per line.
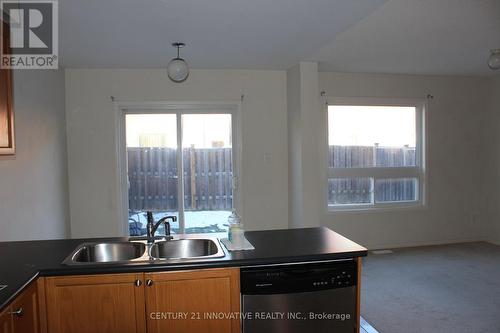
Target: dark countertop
(23,261)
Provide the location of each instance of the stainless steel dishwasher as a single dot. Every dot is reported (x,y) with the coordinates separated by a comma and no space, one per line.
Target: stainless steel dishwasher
(308,297)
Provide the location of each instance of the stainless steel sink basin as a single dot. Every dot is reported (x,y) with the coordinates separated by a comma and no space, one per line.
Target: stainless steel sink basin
(134,251)
(106,252)
(195,248)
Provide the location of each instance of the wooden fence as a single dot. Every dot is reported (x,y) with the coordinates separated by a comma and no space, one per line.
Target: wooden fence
(359,190)
(208,174)
(153,180)
(374,156)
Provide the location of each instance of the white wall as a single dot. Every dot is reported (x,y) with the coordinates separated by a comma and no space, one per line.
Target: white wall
(456,155)
(304,114)
(295,197)
(464,176)
(91,138)
(492,164)
(459,172)
(33,183)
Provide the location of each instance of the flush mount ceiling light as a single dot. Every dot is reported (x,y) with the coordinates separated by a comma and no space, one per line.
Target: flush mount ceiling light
(177,68)
(494,59)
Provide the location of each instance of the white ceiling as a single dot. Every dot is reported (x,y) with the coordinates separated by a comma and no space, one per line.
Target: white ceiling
(260,34)
(395,36)
(418,37)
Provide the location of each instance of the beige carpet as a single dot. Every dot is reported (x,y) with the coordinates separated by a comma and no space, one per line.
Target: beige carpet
(450,288)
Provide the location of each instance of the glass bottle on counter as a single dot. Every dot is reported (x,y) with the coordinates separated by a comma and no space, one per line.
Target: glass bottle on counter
(236,234)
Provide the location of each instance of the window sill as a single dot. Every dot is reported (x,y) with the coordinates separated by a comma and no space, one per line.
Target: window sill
(380,208)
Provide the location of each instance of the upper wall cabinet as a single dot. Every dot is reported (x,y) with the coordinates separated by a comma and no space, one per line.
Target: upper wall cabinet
(6,111)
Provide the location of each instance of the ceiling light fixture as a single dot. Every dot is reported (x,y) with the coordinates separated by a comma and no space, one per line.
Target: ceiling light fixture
(494,59)
(177,68)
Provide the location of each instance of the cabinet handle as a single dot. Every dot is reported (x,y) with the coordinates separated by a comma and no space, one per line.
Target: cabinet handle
(149,282)
(18,313)
(138,283)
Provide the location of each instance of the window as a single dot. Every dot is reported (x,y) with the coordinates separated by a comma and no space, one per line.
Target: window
(375,154)
(157,145)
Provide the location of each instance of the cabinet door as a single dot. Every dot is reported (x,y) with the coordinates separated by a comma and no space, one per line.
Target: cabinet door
(6,112)
(24,310)
(95,303)
(193,301)
(5,321)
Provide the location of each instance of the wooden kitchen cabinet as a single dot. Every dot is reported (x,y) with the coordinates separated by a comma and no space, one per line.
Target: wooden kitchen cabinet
(25,311)
(196,295)
(129,303)
(106,303)
(5,321)
(7,146)
(23,314)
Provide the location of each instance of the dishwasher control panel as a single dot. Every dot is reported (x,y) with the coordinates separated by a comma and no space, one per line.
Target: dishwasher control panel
(298,278)
(343,278)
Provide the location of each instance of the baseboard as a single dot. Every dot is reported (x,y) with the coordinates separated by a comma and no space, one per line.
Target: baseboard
(424,243)
(366,327)
(494,241)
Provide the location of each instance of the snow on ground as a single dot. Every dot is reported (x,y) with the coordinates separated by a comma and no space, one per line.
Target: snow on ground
(196,221)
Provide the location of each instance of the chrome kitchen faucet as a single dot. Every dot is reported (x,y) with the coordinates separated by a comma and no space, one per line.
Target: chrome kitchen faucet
(151,226)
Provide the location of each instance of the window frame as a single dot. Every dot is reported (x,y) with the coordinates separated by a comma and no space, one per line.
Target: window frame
(178,108)
(419,171)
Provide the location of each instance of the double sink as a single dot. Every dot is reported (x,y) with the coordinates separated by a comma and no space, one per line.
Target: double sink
(134,251)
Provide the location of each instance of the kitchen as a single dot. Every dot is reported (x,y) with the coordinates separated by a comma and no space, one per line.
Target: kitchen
(264,129)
